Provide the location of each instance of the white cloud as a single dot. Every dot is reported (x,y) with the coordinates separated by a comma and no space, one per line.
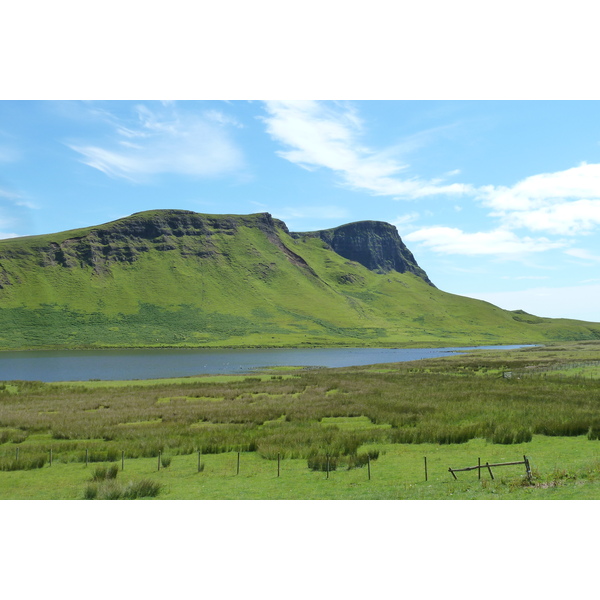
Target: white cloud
(223,119)
(169,142)
(538,191)
(566,218)
(562,203)
(324,135)
(499,242)
(583,254)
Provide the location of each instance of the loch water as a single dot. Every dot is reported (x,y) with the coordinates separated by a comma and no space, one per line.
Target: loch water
(82,365)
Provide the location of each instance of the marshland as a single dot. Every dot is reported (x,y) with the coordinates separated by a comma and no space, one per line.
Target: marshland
(372,432)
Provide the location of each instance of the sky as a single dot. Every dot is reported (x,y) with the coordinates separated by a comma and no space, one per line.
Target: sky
(497,200)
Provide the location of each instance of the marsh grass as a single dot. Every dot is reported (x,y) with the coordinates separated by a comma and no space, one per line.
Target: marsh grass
(110,489)
(447,402)
(23,463)
(105,473)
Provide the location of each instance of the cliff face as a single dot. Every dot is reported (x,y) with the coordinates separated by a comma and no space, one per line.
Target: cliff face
(123,241)
(373,244)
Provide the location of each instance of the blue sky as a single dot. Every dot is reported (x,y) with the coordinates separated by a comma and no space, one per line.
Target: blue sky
(498,200)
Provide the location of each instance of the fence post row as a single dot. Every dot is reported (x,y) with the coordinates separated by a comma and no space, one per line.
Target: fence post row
(479,465)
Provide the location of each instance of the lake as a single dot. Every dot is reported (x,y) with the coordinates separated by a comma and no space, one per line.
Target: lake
(81,365)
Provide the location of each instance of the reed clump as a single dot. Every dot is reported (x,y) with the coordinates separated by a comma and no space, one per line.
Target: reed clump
(113,490)
(105,473)
(23,463)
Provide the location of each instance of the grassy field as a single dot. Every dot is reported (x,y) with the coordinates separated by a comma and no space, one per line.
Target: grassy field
(182,439)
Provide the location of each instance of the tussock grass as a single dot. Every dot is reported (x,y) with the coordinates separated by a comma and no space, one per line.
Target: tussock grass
(23,463)
(105,473)
(110,489)
(448,402)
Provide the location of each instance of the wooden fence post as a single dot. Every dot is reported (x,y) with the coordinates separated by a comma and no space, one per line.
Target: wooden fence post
(369,466)
(453,474)
(489,469)
(425,459)
(199,460)
(479,468)
(238,464)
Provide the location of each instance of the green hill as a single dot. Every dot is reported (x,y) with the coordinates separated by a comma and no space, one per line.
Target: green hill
(179,278)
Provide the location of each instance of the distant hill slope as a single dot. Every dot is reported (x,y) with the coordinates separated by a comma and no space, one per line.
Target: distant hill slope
(179,278)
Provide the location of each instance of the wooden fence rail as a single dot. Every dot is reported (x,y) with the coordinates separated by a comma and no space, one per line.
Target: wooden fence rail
(489,466)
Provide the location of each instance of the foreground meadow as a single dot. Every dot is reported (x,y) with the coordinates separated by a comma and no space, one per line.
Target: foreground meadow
(379,432)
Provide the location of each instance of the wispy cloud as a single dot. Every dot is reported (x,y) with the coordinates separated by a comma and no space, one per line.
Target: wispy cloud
(8,154)
(163,141)
(583,254)
(313,212)
(406,219)
(498,242)
(329,135)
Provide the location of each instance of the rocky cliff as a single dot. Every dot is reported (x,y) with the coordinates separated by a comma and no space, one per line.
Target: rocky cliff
(374,244)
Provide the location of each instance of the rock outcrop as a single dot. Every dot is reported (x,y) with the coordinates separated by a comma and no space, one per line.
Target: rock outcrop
(374,244)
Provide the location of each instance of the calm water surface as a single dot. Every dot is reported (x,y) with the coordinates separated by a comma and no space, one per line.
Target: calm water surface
(81,365)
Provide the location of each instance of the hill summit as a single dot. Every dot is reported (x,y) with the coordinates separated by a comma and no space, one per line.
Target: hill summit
(180,278)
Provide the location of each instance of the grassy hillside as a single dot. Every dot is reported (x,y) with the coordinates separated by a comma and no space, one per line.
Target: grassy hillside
(176,278)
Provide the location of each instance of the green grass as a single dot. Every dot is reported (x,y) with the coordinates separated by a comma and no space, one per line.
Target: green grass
(185,291)
(452,410)
(95,384)
(564,468)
